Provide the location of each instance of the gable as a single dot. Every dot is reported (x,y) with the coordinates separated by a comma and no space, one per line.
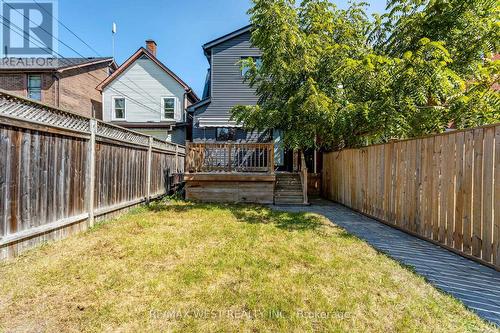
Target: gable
(143,54)
(143,75)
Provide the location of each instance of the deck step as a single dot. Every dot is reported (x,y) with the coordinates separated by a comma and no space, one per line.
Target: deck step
(288,190)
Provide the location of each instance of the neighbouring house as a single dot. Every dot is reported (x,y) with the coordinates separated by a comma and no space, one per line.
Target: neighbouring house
(66,83)
(145,95)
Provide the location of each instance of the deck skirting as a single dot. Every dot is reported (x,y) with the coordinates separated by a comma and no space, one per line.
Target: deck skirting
(231,187)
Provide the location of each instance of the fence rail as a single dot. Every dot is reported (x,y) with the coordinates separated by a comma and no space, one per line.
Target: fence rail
(58,171)
(445,188)
(230,157)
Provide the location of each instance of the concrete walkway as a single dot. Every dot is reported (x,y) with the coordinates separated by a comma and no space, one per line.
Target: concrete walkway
(477,286)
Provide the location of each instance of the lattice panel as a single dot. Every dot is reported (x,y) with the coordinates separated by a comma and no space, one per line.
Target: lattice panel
(163,145)
(30,111)
(121,134)
(19,108)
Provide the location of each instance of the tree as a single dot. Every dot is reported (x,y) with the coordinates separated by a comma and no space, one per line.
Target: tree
(335,78)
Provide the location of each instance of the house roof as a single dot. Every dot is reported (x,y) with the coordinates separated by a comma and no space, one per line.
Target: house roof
(51,64)
(231,35)
(199,104)
(143,52)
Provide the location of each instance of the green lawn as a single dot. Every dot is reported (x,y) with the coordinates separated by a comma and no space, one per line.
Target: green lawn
(190,267)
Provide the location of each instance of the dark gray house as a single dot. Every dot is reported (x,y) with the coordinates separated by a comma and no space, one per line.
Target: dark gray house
(224,88)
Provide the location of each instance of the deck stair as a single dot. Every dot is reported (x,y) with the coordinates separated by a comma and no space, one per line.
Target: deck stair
(288,189)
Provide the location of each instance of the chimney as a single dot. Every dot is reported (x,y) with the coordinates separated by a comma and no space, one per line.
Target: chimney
(151,46)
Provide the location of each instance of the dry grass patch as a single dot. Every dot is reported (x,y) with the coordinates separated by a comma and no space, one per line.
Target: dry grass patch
(189,267)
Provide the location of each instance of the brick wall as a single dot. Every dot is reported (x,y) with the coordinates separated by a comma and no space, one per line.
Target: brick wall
(14,83)
(78,91)
(77,88)
(18,85)
(48,89)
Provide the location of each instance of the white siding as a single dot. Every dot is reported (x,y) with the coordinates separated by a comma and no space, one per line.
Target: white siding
(143,85)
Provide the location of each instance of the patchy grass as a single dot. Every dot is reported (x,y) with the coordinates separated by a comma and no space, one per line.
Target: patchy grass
(190,267)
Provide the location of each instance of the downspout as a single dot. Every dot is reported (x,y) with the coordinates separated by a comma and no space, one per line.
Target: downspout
(57,90)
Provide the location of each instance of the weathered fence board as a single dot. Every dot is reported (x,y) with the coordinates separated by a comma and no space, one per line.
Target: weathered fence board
(59,170)
(445,188)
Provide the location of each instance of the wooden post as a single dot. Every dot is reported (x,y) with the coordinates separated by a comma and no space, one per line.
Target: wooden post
(229,162)
(176,158)
(91,171)
(271,158)
(187,157)
(148,175)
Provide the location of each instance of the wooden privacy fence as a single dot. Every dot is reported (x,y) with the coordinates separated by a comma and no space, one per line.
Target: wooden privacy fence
(444,188)
(58,171)
(230,157)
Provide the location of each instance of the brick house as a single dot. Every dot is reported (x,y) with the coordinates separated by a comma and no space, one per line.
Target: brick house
(68,83)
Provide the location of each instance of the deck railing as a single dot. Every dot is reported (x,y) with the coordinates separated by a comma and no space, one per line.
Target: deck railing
(230,157)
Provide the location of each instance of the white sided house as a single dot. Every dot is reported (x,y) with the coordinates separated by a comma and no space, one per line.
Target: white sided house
(146,96)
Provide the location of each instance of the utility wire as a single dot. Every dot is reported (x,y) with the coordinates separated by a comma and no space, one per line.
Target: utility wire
(88,45)
(69,47)
(9,26)
(62,24)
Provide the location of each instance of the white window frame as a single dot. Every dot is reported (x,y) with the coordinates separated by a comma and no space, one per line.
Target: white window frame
(113,113)
(163,98)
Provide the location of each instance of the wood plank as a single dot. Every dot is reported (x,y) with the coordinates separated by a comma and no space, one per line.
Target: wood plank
(459,191)
(488,166)
(496,225)
(434,167)
(477,195)
(15,159)
(450,195)
(467,189)
(443,189)
(4,179)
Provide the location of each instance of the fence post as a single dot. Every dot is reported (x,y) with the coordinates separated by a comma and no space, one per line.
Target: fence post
(91,171)
(148,176)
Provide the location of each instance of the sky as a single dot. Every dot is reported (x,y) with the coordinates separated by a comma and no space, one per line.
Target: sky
(179,27)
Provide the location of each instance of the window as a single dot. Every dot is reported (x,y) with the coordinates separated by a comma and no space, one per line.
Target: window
(169,108)
(35,87)
(119,108)
(226,134)
(245,69)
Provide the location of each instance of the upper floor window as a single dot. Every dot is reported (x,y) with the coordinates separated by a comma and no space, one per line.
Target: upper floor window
(168,108)
(35,87)
(119,108)
(245,69)
(226,134)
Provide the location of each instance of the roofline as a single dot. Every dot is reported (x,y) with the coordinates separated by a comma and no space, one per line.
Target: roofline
(60,69)
(96,62)
(142,51)
(226,37)
(199,104)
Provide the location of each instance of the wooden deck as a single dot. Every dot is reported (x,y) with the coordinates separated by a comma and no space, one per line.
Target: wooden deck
(239,172)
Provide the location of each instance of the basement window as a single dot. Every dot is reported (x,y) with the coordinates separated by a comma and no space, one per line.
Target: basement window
(35,87)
